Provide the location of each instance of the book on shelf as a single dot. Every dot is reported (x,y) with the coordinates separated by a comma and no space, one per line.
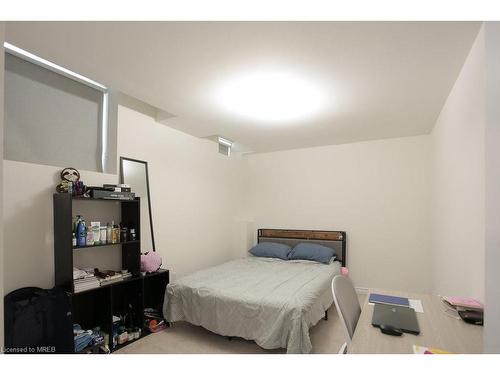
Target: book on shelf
(85,283)
(88,285)
(86,280)
(115,278)
(92,281)
(82,287)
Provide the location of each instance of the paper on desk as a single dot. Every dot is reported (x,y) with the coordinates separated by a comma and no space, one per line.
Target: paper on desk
(416,305)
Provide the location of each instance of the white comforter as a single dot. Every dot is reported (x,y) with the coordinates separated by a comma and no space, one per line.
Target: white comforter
(270,301)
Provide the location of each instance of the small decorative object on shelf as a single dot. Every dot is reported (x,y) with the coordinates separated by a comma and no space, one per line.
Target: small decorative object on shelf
(70,182)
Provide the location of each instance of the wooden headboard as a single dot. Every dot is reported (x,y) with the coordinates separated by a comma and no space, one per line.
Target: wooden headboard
(333,239)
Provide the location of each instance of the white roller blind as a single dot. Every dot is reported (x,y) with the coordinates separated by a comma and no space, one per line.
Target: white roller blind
(50,119)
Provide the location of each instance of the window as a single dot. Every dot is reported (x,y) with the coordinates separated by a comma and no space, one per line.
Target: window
(54,116)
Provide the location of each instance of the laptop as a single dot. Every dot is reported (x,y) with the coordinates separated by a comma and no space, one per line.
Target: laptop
(400,317)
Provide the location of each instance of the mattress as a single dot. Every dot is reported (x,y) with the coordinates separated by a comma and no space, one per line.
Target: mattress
(271,301)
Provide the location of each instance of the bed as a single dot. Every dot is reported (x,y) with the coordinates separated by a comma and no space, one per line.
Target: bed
(271,301)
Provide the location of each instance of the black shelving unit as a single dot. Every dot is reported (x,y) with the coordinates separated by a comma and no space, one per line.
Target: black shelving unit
(96,307)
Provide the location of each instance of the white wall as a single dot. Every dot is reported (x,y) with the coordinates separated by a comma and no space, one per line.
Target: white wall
(2,35)
(458,183)
(28,226)
(194,190)
(377,191)
(492,261)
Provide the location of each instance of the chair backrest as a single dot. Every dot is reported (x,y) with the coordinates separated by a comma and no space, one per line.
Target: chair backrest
(347,303)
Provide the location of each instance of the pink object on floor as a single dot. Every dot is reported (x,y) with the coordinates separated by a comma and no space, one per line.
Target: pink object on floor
(344,271)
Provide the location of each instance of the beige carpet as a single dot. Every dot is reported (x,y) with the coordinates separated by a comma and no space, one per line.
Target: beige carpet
(183,338)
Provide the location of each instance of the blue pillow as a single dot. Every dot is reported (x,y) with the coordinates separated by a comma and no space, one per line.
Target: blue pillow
(312,251)
(271,250)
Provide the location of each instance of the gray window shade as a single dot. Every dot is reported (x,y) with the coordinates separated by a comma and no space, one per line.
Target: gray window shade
(50,119)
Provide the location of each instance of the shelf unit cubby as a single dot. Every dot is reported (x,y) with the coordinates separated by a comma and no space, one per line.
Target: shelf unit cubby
(96,307)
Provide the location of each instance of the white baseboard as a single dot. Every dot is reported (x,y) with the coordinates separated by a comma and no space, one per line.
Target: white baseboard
(361,290)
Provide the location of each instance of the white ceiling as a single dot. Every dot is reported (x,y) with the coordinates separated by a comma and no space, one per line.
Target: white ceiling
(382,79)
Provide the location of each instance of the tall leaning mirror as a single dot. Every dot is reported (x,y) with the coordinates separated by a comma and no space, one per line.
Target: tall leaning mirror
(135,173)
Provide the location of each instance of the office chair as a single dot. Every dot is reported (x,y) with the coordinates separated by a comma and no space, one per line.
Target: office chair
(347,305)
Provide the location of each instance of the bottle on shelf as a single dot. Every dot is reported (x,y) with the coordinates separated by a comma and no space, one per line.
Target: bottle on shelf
(95,234)
(115,235)
(133,235)
(90,236)
(96,231)
(109,237)
(116,231)
(103,236)
(76,220)
(123,233)
(81,233)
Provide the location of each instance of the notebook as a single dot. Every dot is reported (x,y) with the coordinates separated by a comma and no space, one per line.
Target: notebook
(388,300)
(464,303)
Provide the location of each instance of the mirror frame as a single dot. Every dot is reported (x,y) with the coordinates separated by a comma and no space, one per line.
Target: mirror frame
(122,159)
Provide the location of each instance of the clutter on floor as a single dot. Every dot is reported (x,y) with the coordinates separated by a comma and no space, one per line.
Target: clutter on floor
(153,320)
(93,339)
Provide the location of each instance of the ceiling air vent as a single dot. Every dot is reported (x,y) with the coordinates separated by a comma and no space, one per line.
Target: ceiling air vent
(225,146)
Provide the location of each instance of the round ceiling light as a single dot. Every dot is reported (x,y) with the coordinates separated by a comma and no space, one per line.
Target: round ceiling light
(272,96)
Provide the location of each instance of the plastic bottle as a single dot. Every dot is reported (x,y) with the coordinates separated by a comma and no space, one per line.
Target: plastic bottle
(96,230)
(76,220)
(123,233)
(115,233)
(90,236)
(103,234)
(108,233)
(81,233)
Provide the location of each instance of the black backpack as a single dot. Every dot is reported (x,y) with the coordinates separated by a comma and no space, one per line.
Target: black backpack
(38,321)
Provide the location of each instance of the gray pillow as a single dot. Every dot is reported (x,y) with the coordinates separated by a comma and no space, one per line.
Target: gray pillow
(271,250)
(312,251)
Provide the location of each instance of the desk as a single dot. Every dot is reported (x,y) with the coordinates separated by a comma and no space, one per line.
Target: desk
(437,329)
